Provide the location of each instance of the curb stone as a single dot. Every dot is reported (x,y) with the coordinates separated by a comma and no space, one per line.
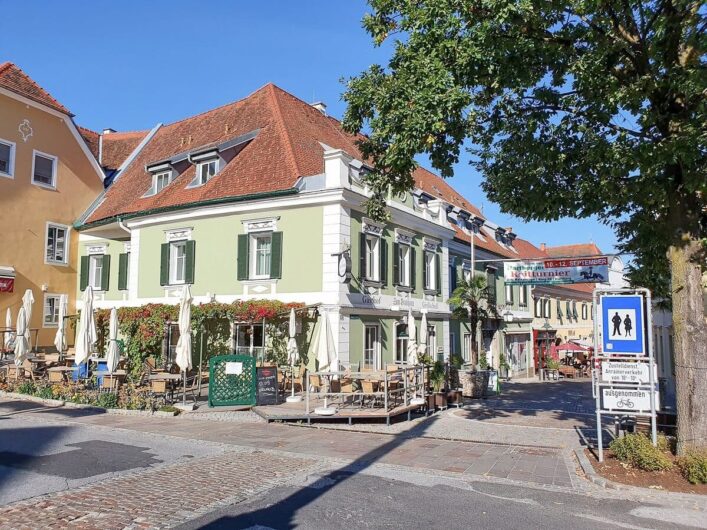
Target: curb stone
(592,475)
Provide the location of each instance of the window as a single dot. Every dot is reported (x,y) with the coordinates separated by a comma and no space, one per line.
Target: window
(523,298)
(373,258)
(401,343)
(95,271)
(7,158)
(452,344)
(574,310)
(466,347)
(585,312)
(432,344)
(509,294)
(547,309)
(162,180)
(538,307)
(261,251)
(205,170)
(559,309)
(177,262)
(44,170)
(371,348)
(403,265)
(568,309)
(51,310)
(56,250)
(491,283)
(249,339)
(430,271)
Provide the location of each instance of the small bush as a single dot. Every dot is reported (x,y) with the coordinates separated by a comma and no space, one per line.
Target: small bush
(26,387)
(666,444)
(107,400)
(693,467)
(638,451)
(44,392)
(169,408)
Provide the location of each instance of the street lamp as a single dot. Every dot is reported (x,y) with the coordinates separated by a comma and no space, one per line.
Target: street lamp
(508,315)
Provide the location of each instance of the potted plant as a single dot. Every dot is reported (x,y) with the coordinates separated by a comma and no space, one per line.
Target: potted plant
(437,379)
(504,368)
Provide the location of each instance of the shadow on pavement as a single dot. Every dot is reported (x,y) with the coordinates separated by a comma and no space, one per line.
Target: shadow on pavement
(282,513)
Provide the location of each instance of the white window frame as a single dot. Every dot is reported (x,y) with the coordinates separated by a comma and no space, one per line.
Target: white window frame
(547,308)
(373,272)
(466,347)
(57,301)
(401,356)
(156,180)
(173,262)
(509,294)
(55,165)
(431,273)
(200,165)
(538,307)
(376,347)
(92,261)
(585,312)
(403,258)
(67,235)
(253,252)
(523,295)
(10,174)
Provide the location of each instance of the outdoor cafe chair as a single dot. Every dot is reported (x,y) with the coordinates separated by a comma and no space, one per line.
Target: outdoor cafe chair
(315,383)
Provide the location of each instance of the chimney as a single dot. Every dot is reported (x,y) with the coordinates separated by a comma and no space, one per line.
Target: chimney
(108,130)
(543,246)
(320,106)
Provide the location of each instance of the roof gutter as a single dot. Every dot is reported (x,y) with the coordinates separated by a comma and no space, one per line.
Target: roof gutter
(120,218)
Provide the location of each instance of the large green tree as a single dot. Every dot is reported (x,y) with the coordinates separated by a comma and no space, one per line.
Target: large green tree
(570,108)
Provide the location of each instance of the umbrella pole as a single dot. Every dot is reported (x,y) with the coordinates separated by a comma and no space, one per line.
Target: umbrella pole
(184,395)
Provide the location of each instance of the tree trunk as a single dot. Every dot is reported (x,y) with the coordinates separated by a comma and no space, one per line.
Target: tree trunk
(474,348)
(690,342)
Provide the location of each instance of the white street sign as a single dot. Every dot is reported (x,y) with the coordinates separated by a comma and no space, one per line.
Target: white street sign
(634,399)
(624,372)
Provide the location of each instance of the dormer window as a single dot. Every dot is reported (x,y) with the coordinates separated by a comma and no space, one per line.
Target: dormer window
(205,170)
(162,180)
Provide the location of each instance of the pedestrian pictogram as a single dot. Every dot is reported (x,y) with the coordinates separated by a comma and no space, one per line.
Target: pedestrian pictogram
(622,325)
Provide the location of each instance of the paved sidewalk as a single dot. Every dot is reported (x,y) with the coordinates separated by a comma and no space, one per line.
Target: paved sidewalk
(538,465)
(158,498)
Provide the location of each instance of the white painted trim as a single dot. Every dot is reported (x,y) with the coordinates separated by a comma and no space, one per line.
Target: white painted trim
(263,224)
(55,167)
(67,243)
(13,150)
(133,276)
(178,234)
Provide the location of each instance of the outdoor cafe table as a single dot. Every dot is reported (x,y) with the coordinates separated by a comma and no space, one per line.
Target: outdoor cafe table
(57,373)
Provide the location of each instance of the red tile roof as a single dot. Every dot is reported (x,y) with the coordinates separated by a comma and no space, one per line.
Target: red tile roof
(14,79)
(527,250)
(117,146)
(568,251)
(91,138)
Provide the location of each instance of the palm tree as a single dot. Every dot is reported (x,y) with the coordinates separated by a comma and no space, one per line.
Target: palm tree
(470,300)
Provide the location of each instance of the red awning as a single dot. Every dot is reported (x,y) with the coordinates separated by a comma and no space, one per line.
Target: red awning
(570,346)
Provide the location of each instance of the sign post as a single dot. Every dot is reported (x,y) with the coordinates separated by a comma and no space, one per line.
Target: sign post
(623,344)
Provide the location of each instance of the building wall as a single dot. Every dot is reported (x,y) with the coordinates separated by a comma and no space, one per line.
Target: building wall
(216,245)
(25,208)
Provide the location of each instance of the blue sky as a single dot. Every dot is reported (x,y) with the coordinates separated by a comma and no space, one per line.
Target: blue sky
(131,64)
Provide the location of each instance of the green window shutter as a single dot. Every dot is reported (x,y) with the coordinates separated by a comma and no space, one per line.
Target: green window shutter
(123,271)
(362,260)
(105,273)
(396,265)
(454,279)
(276,255)
(243,252)
(189,262)
(438,272)
(413,269)
(383,261)
(83,282)
(425,282)
(164,264)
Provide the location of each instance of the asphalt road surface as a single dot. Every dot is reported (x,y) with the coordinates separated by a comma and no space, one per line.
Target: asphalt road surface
(410,500)
(39,456)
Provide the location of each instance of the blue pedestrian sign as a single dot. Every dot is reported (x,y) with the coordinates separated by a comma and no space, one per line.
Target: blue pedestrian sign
(622,325)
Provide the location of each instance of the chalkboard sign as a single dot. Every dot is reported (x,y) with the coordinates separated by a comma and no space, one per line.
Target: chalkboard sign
(267,392)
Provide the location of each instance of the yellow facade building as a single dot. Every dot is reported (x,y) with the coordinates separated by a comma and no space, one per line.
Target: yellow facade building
(48,177)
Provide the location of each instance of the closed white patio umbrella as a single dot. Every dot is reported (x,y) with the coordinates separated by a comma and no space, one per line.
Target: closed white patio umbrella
(27,301)
(21,342)
(422,348)
(86,333)
(113,355)
(183,349)
(326,359)
(60,337)
(9,335)
(292,353)
(412,340)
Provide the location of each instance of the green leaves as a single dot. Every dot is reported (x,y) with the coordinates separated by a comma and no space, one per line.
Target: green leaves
(572,108)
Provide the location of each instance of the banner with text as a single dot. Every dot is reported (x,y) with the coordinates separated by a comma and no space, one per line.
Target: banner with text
(557,271)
